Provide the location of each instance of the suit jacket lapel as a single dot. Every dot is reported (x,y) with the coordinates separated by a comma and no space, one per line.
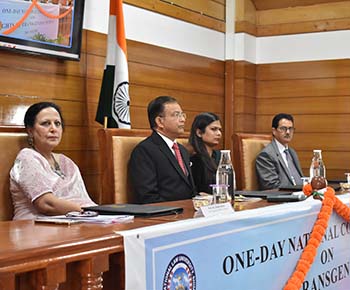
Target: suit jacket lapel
(171,157)
(281,161)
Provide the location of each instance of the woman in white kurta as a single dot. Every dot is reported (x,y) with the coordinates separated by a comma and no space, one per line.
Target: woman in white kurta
(43,182)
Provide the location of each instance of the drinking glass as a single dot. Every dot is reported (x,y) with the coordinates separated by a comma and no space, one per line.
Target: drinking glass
(220,193)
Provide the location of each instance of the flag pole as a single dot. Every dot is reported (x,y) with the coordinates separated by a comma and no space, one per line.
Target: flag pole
(105,121)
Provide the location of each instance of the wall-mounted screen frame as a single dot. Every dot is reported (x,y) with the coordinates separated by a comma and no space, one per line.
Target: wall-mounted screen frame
(50,27)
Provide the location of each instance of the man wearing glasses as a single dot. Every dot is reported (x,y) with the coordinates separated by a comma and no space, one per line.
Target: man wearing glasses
(159,167)
(277,165)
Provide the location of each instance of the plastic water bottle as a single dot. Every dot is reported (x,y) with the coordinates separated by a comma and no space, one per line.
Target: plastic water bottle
(225,175)
(317,167)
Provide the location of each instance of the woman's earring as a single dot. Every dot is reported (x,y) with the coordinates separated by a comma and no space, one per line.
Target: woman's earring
(30,141)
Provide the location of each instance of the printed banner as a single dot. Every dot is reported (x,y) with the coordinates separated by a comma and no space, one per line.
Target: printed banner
(36,26)
(249,250)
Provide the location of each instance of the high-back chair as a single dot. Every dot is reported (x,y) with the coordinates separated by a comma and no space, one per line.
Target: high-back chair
(12,140)
(116,146)
(246,147)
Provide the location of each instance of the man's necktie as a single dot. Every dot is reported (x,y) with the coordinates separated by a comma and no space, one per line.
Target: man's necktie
(179,157)
(292,169)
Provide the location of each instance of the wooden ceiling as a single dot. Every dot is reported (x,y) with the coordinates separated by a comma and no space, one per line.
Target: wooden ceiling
(275,4)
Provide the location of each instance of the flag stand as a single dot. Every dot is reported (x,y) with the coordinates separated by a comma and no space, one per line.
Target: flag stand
(105,122)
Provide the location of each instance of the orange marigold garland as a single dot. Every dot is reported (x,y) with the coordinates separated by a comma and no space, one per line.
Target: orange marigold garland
(309,253)
(329,202)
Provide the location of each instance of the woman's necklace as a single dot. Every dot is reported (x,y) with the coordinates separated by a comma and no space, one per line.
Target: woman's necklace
(57,168)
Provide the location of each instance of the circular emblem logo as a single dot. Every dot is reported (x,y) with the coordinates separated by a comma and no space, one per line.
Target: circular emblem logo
(180,274)
(121,103)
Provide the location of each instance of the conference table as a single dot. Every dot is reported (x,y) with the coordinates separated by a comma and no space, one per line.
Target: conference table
(78,256)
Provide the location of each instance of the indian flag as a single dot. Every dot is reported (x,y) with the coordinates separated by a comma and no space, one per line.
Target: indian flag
(114,103)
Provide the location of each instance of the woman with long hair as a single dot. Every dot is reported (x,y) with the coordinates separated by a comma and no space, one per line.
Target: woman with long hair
(205,137)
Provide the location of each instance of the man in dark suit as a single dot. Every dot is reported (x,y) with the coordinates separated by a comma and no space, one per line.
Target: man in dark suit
(158,170)
(277,165)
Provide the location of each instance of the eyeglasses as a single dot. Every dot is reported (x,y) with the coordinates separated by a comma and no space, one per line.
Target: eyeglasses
(285,129)
(177,115)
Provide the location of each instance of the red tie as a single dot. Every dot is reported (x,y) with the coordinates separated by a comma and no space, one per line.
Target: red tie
(179,157)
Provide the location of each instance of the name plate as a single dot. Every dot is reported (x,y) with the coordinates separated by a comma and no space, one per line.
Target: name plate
(216,209)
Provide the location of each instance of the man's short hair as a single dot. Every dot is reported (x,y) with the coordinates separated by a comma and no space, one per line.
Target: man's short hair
(279,117)
(156,108)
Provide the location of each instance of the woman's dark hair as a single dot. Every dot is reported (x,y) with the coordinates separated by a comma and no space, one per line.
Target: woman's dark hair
(35,109)
(200,122)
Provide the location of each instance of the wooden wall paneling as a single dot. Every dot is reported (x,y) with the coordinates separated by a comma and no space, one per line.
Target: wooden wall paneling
(140,53)
(303,88)
(209,8)
(92,184)
(83,42)
(229,104)
(74,138)
(74,113)
(333,160)
(78,138)
(304,70)
(245,17)
(91,114)
(41,84)
(13,109)
(88,163)
(93,88)
(323,123)
(302,105)
(245,87)
(245,105)
(311,18)
(158,56)
(336,174)
(246,70)
(242,108)
(96,43)
(96,66)
(245,11)
(166,78)
(246,27)
(245,97)
(245,122)
(142,95)
(86,160)
(273,4)
(92,142)
(301,27)
(325,11)
(267,18)
(35,63)
(308,140)
(188,15)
